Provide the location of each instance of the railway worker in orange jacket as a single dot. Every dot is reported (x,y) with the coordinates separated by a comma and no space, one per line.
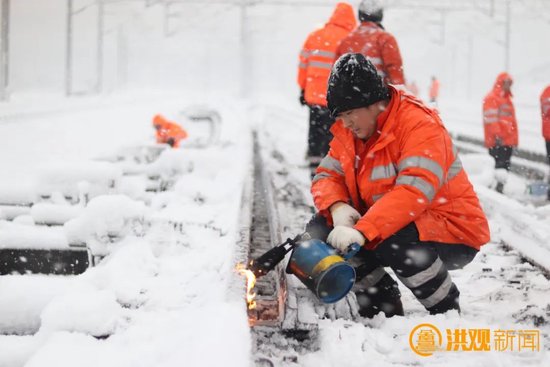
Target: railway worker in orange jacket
(316,59)
(500,126)
(378,45)
(545,111)
(434,90)
(394,183)
(168,132)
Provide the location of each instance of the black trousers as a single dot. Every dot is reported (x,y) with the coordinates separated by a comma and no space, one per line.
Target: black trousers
(548,150)
(502,155)
(420,265)
(319,135)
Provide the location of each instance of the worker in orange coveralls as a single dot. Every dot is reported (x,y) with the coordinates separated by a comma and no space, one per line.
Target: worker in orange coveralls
(168,132)
(393,183)
(545,111)
(500,126)
(375,43)
(316,59)
(434,90)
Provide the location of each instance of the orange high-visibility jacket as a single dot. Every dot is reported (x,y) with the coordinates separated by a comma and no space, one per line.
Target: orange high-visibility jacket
(434,89)
(318,54)
(411,172)
(545,110)
(168,130)
(379,46)
(499,116)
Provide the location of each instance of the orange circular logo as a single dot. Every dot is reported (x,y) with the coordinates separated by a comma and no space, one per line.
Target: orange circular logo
(425,339)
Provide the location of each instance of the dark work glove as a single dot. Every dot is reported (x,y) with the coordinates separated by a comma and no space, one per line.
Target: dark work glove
(171,142)
(302,98)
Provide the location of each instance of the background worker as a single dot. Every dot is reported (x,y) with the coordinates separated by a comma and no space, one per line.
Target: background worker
(545,111)
(316,59)
(393,183)
(500,127)
(434,91)
(168,132)
(375,43)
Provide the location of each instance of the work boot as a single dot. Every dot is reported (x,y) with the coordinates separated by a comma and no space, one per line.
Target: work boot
(451,302)
(384,296)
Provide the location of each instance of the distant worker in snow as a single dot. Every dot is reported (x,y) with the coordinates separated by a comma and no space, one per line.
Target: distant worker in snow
(545,111)
(168,132)
(393,183)
(434,91)
(378,45)
(316,59)
(500,125)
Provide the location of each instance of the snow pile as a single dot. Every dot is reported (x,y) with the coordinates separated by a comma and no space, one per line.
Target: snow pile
(105,220)
(22,194)
(95,313)
(48,213)
(78,179)
(170,163)
(160,295)
(25,235)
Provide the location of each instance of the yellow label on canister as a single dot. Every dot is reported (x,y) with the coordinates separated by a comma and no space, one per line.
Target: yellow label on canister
(326,263)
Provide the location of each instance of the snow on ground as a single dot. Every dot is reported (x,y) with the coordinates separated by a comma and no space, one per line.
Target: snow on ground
(161,295)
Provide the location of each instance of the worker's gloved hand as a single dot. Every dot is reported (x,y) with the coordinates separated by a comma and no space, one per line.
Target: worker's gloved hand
(498,141)
(302,98)
(171,142)
(344,215)
(342,237)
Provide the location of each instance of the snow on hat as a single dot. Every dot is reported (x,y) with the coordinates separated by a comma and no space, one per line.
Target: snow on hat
(371,10)
(354,83)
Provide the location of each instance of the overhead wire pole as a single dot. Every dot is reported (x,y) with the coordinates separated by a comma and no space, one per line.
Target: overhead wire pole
(100,19)
(507,38)
(245,44)
(69,49)
(71,12)
(4,52)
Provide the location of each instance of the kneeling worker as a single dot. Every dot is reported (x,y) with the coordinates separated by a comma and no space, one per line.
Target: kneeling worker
(393,182)
(168,132)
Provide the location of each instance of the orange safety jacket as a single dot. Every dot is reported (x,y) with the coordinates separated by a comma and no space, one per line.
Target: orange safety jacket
(545,111)
(318,54)
(410,173)
(379,46)
(168,131)
(499,116)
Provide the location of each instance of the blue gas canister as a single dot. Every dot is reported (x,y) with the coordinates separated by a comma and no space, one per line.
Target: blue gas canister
(322,270)
(538,188)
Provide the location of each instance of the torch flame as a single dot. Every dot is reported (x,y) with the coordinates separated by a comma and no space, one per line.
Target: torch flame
(250,282)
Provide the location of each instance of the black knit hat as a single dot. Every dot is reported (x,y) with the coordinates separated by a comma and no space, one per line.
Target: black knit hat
(354,83)
(370,11)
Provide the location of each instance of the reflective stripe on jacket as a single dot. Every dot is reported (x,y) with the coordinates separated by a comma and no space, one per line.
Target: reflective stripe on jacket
(499,116)
(319,53)
(412,172)
(379,46)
